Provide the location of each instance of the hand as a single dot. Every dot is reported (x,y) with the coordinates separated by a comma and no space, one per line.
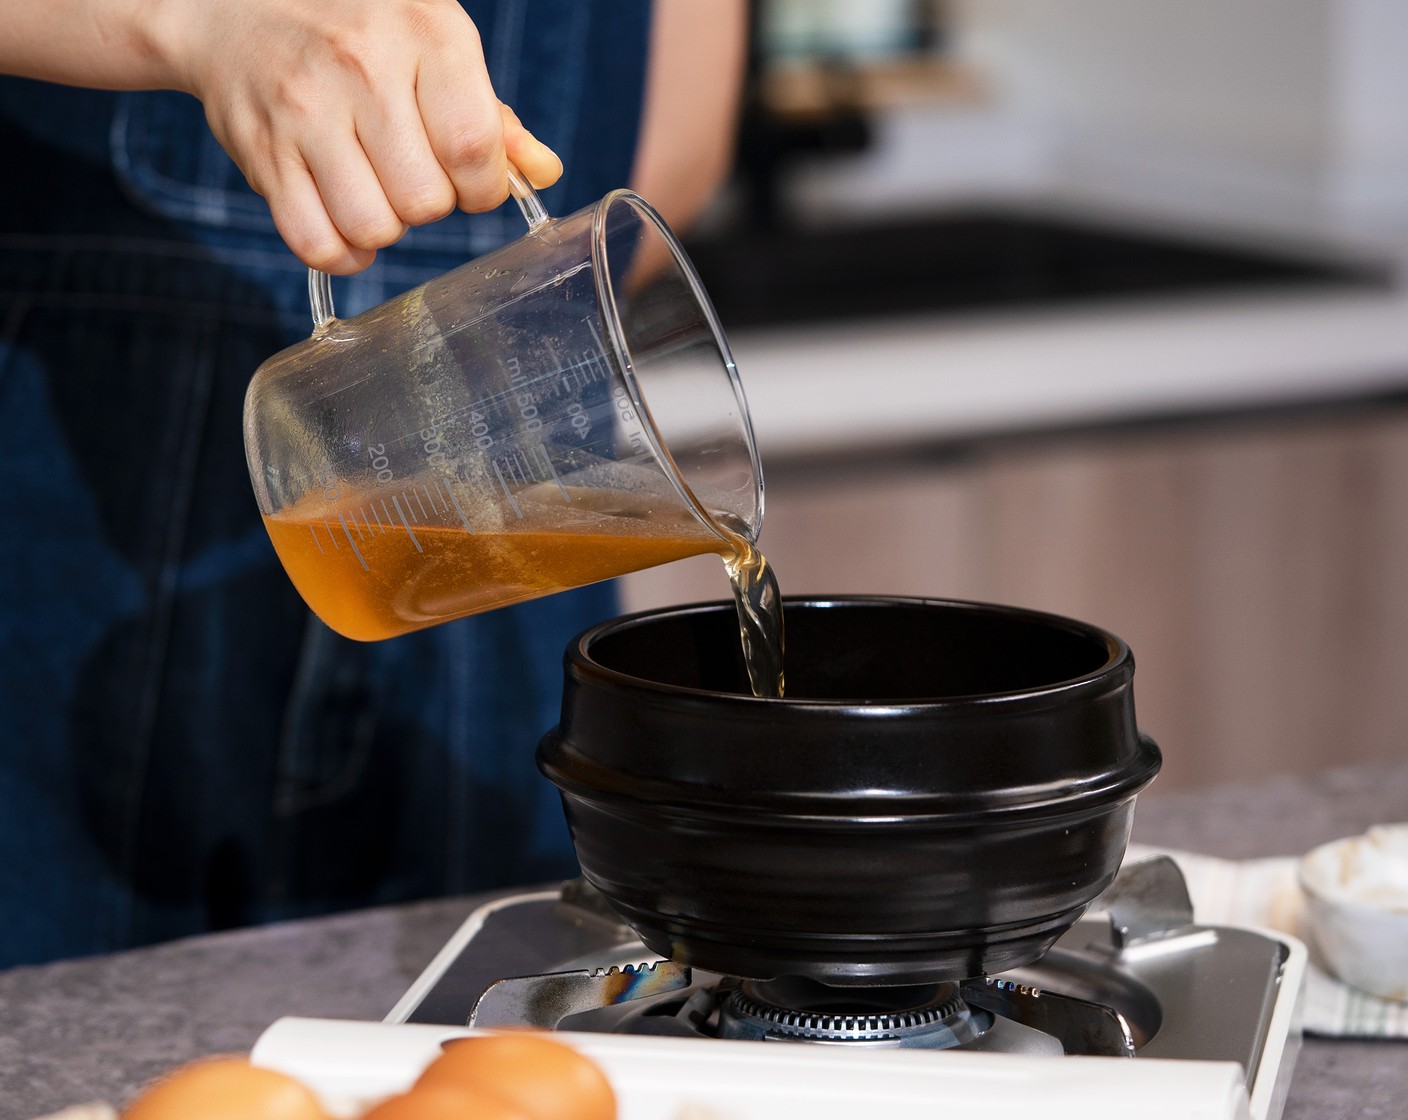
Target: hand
(355,119)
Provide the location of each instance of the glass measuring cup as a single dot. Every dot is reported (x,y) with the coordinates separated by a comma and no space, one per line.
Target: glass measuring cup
(557,412)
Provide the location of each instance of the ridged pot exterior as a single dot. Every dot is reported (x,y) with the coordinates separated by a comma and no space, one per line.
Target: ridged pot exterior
(943,792)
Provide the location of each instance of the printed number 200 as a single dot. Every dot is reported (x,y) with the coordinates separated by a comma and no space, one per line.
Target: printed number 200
(381,464)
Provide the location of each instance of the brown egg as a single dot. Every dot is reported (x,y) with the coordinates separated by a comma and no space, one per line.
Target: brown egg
(546,1079)
(444,1102)
(225,1089)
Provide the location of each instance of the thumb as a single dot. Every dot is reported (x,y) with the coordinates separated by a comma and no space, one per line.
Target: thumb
(539,164)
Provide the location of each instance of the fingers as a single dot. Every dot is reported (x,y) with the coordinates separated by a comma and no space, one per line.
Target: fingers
(353,192)
(302,218)
(464,127)
(360,119)
(472,135)
(389,172)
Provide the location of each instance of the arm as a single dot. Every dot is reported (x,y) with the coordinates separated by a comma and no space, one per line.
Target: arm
(693,83)
(355,119)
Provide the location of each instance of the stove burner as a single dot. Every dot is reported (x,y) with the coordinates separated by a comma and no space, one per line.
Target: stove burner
(797,1009)
(1137,977)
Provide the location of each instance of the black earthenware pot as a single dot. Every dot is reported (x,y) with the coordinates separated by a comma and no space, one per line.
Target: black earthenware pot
(942,793)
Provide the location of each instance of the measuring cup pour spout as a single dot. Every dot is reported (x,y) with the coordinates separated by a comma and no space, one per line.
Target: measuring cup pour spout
(560,411)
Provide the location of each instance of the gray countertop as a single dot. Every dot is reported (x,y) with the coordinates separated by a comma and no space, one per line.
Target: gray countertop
(97,1029)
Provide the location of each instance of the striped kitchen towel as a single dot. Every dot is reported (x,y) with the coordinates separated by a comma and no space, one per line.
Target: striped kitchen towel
(1264,892)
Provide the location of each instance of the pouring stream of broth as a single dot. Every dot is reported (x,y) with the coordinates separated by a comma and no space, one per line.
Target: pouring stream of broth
(759,602)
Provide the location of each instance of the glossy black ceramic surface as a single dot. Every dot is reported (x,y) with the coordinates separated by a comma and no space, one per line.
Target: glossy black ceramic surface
(942,793)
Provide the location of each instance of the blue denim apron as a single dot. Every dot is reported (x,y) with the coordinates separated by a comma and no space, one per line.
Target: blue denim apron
(182,746)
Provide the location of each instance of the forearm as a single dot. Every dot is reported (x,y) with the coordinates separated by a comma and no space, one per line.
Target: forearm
(355,118)
(101,44)
(697,55)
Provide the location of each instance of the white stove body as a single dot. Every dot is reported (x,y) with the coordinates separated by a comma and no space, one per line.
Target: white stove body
(352,1064)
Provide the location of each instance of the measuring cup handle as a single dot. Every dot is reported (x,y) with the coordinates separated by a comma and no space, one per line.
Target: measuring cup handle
(534,213)
(531,206)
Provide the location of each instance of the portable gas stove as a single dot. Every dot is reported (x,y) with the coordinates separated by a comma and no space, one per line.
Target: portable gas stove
(1136,1006)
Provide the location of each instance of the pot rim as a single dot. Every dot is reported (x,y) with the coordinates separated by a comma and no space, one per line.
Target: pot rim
(1118,657)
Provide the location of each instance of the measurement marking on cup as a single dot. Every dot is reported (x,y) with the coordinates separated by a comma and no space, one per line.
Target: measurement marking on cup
(600,346)
(507,493)
(600,370)
(431,499)
(420,503)
(355,550)
(519,468)
(480,486)
(582,371)
(547,464)
(406,523)
(312,532)
(450,490)
(555,389)
(368,520)
(328,526)
(515,468)
(551,379)
(571,378)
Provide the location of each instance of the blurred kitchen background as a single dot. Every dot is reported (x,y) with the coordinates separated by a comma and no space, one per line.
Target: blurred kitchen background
(1098,307)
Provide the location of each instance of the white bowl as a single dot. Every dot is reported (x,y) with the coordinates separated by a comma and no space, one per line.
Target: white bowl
(1356,893)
